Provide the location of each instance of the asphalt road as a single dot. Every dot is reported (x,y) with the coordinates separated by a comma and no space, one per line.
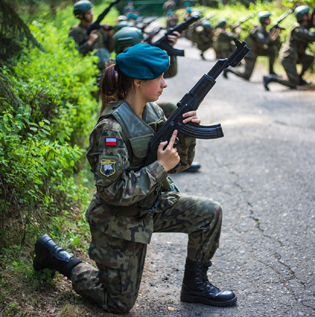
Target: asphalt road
(262,173)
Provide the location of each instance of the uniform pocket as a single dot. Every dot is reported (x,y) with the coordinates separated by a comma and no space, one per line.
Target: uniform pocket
(140,148)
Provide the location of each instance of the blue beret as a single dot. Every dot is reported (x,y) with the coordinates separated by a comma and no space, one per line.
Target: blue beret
(143,61)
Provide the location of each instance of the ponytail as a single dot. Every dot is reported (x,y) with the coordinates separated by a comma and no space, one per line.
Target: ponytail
(114,85)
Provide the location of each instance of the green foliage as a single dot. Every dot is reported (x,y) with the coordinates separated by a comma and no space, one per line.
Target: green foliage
(44,135)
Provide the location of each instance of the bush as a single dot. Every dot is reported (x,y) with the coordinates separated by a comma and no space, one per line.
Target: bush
(46,114)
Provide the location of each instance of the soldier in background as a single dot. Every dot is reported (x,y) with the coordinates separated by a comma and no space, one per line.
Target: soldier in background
(171,20)
(188,13)
(187,5)
(128,8)
(202,36)
(262,43)
(99,41)
(169,5)
(294,50)
(132,18)
(187,16)
(223,44)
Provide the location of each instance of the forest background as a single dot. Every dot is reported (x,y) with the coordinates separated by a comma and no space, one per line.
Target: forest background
(47,111)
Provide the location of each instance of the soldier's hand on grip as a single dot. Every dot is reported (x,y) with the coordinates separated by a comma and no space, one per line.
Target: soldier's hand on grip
(191,116)
(167,154)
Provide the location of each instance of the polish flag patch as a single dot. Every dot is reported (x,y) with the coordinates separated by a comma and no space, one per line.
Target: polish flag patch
(110,141)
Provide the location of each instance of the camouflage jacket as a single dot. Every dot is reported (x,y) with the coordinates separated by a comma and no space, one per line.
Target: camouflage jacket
(169,5)
(222,40)
(79,34)
(259,39)
(202,36)
(297,40)
(127,192)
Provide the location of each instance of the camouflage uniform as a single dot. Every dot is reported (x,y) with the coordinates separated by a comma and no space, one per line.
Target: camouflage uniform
(223,44)
(103,46)
(202,37)
(132,202)
(261,44)
(169,5)
(293,52)
(171,21)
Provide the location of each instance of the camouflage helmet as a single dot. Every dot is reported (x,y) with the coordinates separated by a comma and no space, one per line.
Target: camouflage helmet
(263,15)
(81,7)
(127,36)
(206,24)
(221,23)
(300,11)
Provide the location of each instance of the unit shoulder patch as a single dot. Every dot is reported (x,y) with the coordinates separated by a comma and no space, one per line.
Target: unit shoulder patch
(108,167)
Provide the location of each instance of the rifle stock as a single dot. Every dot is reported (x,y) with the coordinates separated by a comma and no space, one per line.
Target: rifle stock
(163,41)
(96,25)
(239,23)
(191,101)
(151,35)
(145,23)
(208,17)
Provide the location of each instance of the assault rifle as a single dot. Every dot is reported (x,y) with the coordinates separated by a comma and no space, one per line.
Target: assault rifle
(191,101)
(163,41)
(145,22)
(240,22)
(96,25)
(151,35)
(281,18)
(208,17)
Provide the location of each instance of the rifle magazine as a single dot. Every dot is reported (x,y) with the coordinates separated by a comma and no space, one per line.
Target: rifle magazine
(202,131)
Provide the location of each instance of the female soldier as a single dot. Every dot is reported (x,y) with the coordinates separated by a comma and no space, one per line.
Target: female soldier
(132,200)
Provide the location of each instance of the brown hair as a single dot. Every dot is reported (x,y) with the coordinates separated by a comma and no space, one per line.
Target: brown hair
(114,85)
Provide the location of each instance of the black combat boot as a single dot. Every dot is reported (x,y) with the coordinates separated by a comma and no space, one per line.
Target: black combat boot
(196,287)
(303,82)
(273,74)
(50,255)
(269,79)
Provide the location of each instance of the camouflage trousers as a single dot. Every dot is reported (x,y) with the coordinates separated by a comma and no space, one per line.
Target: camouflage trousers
(204,46)
(289,63)
(250,61)
(220,54)
(114,284)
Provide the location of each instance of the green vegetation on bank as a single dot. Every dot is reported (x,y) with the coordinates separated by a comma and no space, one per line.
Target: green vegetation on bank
(47,111)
